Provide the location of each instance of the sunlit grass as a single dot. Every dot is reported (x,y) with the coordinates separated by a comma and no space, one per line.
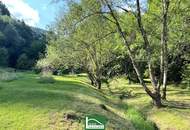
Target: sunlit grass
(166,118)
(27,104)
(25,100)
(139,120)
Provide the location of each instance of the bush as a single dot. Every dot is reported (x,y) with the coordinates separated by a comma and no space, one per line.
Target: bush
(36,70)
(183,87)
(23,62)
(186,75)
(8,76)
(46,79)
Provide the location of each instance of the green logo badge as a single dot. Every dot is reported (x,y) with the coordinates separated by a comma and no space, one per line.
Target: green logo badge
(95,122)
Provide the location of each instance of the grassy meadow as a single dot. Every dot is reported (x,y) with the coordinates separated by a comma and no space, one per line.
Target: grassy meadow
(26,103)
(176,114)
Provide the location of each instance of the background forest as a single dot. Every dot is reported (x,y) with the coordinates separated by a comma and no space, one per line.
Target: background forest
(20,44)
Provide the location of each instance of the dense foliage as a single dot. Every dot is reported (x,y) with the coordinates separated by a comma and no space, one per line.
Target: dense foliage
(106,39)
(20,44)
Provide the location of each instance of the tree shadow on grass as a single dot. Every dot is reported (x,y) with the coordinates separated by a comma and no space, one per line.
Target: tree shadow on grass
(62,96)
(177,104)
(67,91)
(182,104)
(180,93)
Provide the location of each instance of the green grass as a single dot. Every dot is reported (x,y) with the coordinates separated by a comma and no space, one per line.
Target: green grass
(139,120)
(27,104)
(176,116)
(46,79)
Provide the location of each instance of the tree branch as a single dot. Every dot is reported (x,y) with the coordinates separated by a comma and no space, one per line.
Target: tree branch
(129,51)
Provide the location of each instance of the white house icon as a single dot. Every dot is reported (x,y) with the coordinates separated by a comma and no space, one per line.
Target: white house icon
(95,125)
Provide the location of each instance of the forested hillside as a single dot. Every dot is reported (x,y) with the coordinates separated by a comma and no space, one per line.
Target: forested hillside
(20,44)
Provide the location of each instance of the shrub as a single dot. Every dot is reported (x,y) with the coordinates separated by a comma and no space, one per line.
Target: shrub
(36,70)
(183,85)
(8,76)
(186,76)
(23,62)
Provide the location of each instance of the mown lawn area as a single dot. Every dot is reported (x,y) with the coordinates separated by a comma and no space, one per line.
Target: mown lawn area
(27,104)
(176,114)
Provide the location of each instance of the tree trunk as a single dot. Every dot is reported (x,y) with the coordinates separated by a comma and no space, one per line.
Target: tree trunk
(164,93)
(72,70)
(157,100)
(165,75)
(164,47)
(99,83)
(92,79)
(155,96)
(92,82)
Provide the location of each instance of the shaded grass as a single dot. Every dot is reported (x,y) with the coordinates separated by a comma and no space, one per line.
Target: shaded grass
(176,116)
(46,79)
(27,104)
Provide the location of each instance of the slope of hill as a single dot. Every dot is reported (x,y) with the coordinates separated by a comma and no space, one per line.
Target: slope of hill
(25,103)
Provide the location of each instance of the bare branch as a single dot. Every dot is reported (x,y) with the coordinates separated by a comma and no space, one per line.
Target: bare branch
(90,15)
(127,11)
(103,37)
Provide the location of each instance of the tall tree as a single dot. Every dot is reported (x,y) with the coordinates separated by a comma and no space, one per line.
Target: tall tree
(85,44)
(164,46)
(4,10)
(156,96)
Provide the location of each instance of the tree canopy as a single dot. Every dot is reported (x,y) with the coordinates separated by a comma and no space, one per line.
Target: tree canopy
(93,35)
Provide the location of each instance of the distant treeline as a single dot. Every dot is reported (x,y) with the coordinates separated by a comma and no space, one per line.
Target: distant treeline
(20,45)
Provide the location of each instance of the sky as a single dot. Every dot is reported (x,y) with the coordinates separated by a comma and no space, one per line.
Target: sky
(36,13)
